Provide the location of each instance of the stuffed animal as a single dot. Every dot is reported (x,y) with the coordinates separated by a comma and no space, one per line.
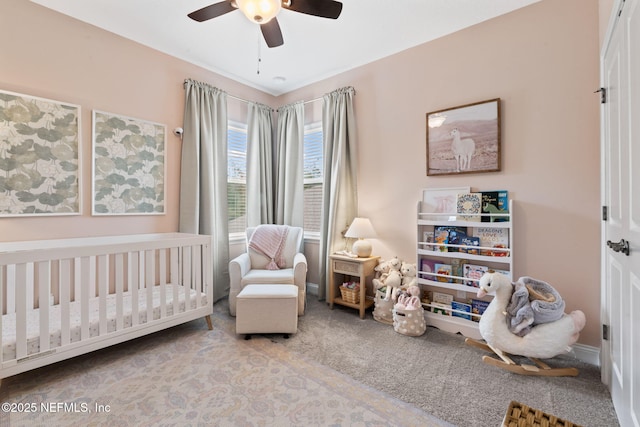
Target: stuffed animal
(381,273)
(409,274)
(381,269)
(394,263)
(392,282)
(543,341)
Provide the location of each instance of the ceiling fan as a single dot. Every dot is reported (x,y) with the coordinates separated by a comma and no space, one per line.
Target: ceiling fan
(263,12)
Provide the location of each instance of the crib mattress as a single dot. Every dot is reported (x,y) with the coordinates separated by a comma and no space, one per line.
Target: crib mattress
(55,334)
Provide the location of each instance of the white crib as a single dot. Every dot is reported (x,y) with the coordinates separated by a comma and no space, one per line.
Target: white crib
(62,298)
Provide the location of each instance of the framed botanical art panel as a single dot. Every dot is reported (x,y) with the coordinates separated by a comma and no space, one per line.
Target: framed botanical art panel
(129,165)
(39,156)
(464,139)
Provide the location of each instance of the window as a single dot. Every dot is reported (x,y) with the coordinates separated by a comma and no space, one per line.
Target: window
(237,177)
(313,177)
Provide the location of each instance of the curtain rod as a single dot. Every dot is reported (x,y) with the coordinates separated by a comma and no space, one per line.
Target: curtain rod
(247,101)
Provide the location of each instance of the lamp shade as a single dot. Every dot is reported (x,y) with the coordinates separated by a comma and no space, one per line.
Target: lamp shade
(259,11)
(359,229)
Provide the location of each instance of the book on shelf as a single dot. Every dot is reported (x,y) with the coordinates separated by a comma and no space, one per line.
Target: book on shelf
(471,245)
(505,272)
(492,237)
(457,270)
(441,237)
(469,206)
(443,270)
(442,297)
(478,306)
(438,307)
(428,266)
(461,306)
(448,235)
(495,202)
(474,272)
(427,237)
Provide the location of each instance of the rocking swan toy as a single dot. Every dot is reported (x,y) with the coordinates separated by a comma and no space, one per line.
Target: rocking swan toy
(543,341)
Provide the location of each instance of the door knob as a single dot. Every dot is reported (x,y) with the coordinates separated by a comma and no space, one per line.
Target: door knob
(621,246)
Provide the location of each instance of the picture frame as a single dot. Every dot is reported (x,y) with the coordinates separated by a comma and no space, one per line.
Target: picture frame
(464,139)
(39,156)
(129,166)
(441,201)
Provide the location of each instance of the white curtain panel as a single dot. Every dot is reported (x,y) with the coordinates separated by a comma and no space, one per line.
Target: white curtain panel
(203,176)
(259,165)
(339,198)
(289,175)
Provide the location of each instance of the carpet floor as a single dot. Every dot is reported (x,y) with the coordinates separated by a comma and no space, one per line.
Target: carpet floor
(338,370)
(438,373)
(190,376)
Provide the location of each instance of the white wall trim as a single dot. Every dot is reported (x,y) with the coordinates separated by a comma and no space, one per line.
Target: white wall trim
(312,288)
(584,353)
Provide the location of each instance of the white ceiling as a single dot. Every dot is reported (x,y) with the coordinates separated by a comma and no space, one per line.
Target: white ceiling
(314,48)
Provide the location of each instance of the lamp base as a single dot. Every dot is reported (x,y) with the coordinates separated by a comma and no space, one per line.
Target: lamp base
(362,248)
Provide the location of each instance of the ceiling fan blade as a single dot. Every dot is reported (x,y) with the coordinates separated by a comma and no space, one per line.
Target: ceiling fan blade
(272,34)
(322,8)
(212,11)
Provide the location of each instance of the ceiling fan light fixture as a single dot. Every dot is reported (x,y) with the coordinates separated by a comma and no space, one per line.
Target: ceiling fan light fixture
(259,11)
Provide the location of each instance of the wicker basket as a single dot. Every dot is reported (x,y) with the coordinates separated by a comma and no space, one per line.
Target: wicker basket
(350,295)
(519,415)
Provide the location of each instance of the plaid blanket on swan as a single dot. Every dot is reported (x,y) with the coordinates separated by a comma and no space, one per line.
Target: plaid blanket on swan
(269,240)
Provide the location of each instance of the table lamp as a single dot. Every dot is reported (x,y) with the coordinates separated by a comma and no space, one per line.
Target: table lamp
(360,229)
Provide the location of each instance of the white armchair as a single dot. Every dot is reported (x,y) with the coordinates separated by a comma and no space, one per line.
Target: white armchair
(250,268)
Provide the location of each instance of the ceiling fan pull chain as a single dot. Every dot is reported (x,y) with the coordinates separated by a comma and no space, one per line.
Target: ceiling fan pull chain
(259,54)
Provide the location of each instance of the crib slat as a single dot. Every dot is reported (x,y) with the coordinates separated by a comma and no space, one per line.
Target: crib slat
(65,297)
(22,282)
(197,267)
(88,275)
(11,288)
(119,279)
(103,290)
(175,274)
(137,266)
(44,289)
(150,274)
(186,278)
(162,260)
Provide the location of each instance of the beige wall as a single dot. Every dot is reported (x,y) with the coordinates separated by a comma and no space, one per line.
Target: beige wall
(50,55)
(542,61)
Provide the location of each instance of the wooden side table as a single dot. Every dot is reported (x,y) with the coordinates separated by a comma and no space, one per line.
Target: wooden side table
(341,268)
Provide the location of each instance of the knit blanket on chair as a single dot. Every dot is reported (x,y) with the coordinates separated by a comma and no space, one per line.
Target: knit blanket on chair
(269,240)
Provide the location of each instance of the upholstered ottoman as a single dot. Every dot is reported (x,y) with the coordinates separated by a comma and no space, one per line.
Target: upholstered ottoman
(263,309)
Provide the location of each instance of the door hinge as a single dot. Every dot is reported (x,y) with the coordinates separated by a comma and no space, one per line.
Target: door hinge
(605,332)
(603,95)
(605,213)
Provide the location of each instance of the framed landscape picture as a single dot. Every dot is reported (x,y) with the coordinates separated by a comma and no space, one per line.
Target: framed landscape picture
(129,165)
(39,156)
(464,139)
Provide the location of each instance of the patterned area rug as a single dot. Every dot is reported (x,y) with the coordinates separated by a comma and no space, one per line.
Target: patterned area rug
(189,375)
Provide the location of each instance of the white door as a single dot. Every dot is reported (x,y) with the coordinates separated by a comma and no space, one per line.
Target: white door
(621,229)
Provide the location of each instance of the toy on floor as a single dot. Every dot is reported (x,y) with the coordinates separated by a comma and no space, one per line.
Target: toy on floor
(390,278)
(543,341)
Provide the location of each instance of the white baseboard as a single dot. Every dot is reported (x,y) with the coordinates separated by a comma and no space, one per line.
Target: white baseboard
(584,353)
(312,288)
